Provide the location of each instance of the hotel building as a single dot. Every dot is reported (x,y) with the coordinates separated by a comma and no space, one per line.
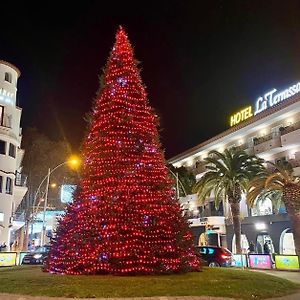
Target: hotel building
(12,184)
(271,130)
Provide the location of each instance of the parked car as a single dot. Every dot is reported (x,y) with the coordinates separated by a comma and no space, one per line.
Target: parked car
(214,256)
(37,257)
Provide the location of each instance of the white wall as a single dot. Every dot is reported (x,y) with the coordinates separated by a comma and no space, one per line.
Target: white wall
(10,133)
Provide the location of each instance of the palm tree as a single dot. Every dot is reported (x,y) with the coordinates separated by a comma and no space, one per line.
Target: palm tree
(280,182)
(227,178)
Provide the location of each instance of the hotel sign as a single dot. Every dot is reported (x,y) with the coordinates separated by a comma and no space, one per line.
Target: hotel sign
(269,99)
(273,97)
(240,116)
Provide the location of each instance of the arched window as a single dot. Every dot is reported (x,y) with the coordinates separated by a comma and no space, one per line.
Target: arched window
(263,207)
(8,77)
(287,244)
(244,244)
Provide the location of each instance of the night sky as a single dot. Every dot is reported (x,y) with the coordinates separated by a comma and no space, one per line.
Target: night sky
(200,60)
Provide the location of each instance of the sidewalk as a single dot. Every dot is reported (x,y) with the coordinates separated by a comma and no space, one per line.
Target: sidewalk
(289,275)
(290,297)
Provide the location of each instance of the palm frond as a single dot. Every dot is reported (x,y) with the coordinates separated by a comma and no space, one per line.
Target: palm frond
(276,177)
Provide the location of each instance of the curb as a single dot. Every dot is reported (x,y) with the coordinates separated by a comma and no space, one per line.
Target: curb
(27,297)
(295,296)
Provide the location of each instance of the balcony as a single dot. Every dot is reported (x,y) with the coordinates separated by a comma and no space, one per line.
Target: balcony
(17,221)
(290,128)
(296,166)
(20,179)
(290,135)
(247,147)
(5,130)
(243,147)
(19,216)
(267,143)
(20,188)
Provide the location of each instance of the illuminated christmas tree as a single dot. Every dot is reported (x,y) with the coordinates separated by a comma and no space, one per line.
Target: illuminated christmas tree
(125,218)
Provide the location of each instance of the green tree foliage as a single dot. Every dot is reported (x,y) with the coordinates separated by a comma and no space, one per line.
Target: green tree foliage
(227,178)
(42,153)
(186,179)
(279,183)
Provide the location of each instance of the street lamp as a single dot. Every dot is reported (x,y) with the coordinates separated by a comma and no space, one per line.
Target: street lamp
(73,161)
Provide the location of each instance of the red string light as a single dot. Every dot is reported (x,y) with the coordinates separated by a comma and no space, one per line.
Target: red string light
(125,218)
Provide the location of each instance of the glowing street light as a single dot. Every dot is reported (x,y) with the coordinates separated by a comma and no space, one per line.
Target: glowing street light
(73,162)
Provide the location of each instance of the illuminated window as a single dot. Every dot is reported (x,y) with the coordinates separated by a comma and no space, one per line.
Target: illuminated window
(2,147)
(8,188)
(8,77)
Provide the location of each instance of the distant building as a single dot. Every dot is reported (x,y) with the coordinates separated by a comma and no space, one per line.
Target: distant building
(269,129)
(12,184)
(52,216)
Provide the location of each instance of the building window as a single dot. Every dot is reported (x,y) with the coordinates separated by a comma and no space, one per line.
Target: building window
(1,180)
(287,243)
(8,185)
(8,77)
(12,150)
(2,147)
(1,114)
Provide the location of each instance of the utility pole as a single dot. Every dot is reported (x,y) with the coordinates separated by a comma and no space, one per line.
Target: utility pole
(45,208)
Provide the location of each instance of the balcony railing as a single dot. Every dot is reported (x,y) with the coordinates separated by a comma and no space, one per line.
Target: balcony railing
(243,146)
(20,179)
(290,128)
(19,216)
(266,138)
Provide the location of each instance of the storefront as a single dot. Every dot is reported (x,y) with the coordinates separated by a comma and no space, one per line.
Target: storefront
(270,234)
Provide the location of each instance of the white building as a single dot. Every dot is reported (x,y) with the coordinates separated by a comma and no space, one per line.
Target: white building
(269,129)
(12,185)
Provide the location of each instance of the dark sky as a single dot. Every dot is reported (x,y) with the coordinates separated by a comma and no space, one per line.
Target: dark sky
(201,60)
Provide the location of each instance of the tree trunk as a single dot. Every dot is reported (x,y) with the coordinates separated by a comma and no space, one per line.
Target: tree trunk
(291,199)
(236,219)
(25,242)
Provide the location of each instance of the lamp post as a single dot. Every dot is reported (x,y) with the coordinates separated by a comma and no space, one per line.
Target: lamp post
(45,208)
(73,161)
